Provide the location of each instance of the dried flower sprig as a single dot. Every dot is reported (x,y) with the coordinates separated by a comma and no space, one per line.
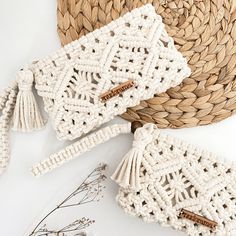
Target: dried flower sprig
(89,191)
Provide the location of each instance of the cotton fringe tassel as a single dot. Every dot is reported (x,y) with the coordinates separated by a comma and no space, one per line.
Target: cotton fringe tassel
(128,172)
(26,116)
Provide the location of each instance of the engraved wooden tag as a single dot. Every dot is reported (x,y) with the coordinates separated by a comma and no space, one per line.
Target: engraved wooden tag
(117,90)
(198,219)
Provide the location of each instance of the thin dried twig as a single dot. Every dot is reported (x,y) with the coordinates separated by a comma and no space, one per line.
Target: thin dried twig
(89,191)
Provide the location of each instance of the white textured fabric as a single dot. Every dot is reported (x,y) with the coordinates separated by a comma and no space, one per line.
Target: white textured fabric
(134,47)
(175,175)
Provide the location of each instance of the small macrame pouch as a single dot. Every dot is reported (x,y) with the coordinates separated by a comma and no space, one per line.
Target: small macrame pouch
(93,79)
(165,180)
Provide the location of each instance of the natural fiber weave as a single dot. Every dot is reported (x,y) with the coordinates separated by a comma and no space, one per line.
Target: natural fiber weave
(205,33)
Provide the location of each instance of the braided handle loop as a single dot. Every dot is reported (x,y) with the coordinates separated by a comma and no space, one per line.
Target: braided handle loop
(79,147)
(7,104)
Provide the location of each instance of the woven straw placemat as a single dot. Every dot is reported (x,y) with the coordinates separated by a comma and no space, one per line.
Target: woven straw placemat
(204,31)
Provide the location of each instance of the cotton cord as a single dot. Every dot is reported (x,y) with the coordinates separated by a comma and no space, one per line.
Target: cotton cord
(83,145)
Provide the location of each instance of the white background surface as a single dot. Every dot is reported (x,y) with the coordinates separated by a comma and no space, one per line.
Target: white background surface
(28,32)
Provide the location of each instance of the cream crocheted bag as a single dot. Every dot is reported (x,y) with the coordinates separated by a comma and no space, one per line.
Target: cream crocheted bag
(95,78)
(168,181)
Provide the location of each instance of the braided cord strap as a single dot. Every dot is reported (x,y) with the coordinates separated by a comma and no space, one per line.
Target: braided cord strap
(79,147)
(7,103)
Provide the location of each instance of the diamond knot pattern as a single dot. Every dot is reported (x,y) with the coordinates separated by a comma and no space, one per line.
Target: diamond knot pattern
(134,47)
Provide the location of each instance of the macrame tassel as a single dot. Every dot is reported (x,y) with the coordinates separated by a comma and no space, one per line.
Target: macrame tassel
(128,172)
(26,115)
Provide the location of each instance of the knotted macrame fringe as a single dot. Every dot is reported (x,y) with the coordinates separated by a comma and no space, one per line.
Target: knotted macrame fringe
(26,115)
(128,172)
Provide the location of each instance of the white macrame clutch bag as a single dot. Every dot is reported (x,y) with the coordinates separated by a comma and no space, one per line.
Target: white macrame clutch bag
(93,79)
(133,48)
(167,181)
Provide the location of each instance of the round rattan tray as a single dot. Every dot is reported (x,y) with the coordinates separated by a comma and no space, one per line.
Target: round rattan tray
(203,31)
